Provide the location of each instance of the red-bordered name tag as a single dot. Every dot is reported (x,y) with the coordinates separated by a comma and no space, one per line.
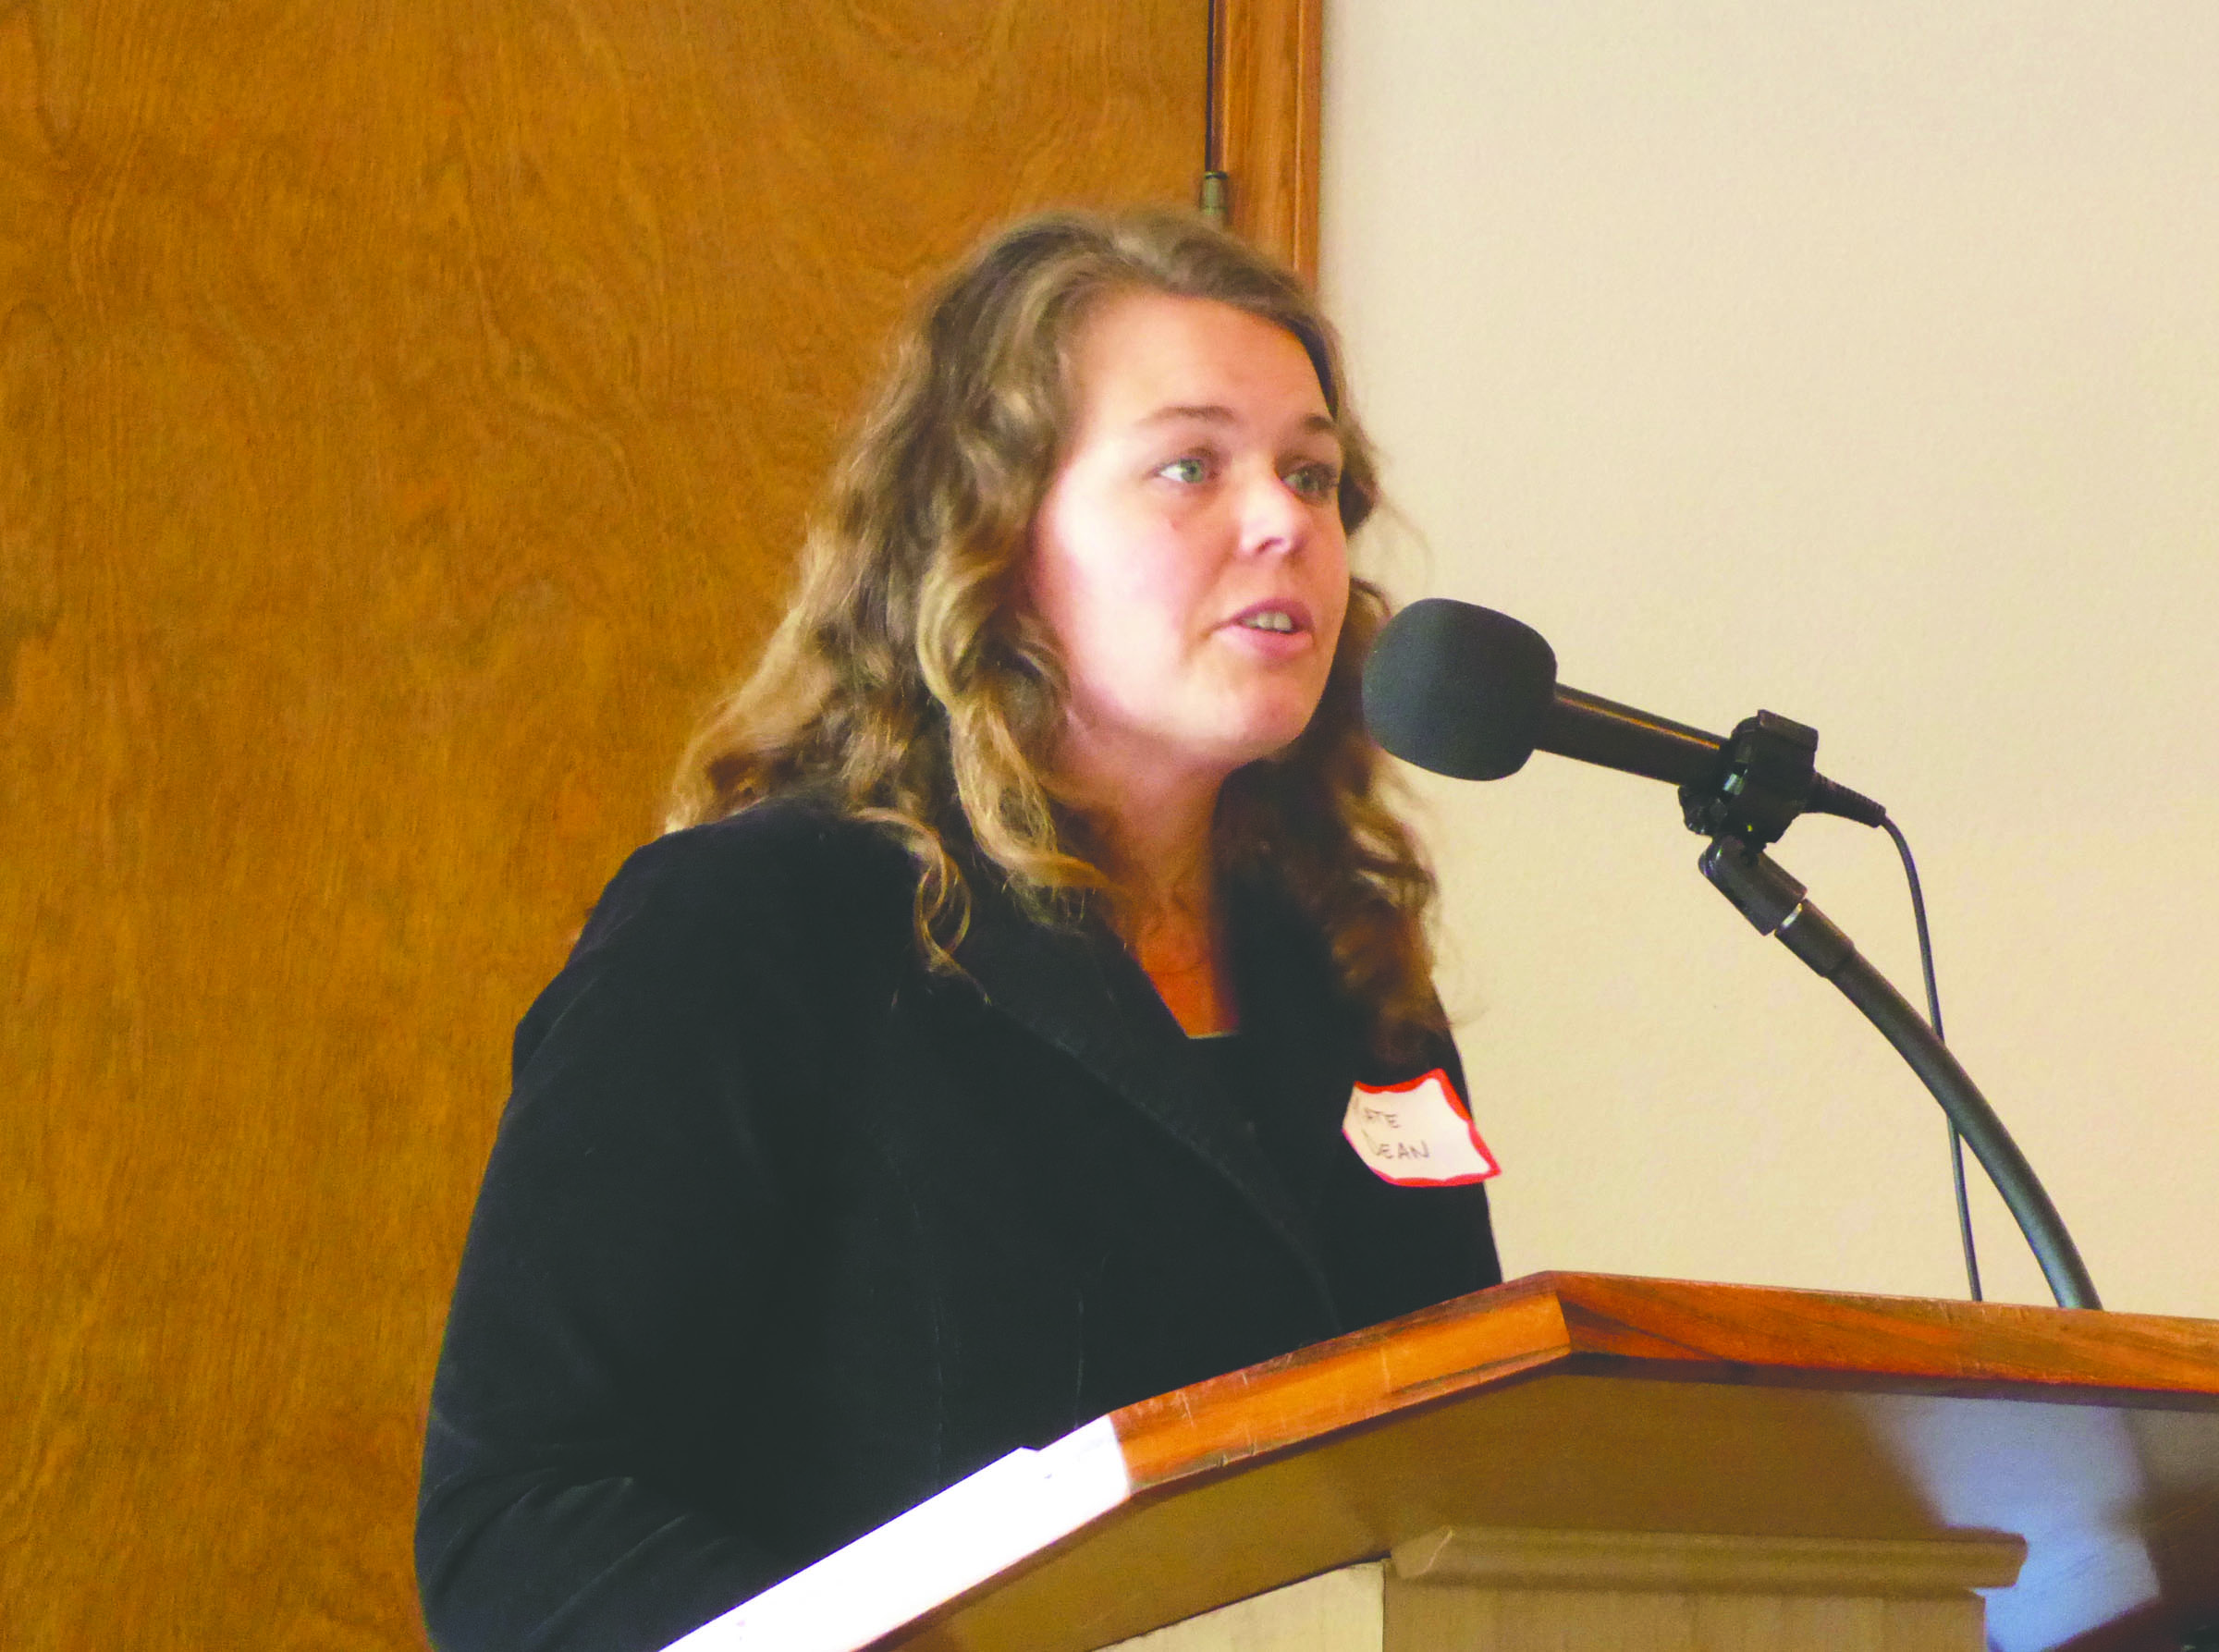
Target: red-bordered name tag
(1417,1135)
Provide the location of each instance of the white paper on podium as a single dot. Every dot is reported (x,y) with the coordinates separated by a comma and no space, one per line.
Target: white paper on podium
(947,1544)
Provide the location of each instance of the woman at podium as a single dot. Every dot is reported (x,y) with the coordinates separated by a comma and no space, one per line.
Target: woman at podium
(1029,1011)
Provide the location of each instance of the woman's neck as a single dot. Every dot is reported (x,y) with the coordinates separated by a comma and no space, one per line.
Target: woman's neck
(1182,949)
(1161,851)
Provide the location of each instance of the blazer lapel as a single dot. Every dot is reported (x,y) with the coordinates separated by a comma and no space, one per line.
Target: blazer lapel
(1081,991)
(1296,1029)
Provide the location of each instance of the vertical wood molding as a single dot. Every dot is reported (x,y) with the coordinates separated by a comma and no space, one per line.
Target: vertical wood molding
(1269,108)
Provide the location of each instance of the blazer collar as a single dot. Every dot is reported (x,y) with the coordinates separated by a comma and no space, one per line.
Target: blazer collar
(1078,988)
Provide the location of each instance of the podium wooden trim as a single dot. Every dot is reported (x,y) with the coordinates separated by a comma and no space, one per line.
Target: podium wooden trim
(1658,1561)
(1658,1429)
(1545,1591)
(2094,1436)
(1568,1324)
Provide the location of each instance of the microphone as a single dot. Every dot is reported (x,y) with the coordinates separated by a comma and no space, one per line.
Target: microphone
(1471,693)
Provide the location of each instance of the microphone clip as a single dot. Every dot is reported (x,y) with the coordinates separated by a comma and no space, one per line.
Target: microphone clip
(1766,774)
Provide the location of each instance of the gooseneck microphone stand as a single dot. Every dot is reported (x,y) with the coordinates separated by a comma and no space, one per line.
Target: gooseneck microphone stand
(1774,903)
(1768,763)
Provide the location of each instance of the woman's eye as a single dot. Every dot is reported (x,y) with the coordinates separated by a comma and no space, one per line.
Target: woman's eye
(1317,482)
(1190,467)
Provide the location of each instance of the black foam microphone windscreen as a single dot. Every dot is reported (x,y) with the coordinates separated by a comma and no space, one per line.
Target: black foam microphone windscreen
(1459,690)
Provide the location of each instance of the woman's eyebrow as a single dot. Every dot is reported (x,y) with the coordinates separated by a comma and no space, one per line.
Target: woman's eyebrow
(1183,412)
(1211,413)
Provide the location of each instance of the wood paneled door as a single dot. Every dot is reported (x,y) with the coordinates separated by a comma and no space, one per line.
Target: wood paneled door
(405,413)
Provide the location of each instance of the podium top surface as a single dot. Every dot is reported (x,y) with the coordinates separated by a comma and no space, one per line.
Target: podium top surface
(1582,1402)
(1568,1324)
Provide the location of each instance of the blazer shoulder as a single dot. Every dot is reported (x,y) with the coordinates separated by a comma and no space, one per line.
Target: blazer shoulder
(794,902)
(779,866)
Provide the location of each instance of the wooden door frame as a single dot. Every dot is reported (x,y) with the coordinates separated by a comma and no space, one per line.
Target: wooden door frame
(1267,59)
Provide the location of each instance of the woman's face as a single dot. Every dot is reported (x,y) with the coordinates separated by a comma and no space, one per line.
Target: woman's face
(1189,559)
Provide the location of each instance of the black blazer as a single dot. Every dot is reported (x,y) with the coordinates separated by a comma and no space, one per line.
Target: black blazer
(783,1232)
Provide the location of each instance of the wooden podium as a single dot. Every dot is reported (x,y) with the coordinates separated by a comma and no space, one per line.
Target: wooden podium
(1577,1461)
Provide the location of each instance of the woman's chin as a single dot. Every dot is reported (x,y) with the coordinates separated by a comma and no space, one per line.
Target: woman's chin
(1259,739)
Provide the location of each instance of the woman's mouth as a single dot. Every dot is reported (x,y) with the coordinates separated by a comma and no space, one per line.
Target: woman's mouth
(1280,618)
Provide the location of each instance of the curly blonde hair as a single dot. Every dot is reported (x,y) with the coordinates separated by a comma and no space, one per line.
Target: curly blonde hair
(908,683)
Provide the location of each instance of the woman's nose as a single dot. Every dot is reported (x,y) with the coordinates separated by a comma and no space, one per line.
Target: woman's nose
(1274,518)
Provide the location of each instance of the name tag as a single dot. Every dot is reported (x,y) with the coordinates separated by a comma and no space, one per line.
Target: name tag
(1417,1135)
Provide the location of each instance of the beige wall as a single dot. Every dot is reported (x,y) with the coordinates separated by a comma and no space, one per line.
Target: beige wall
(1859,362)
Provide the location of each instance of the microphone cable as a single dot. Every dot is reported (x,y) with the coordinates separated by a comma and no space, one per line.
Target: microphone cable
(1933,1018)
